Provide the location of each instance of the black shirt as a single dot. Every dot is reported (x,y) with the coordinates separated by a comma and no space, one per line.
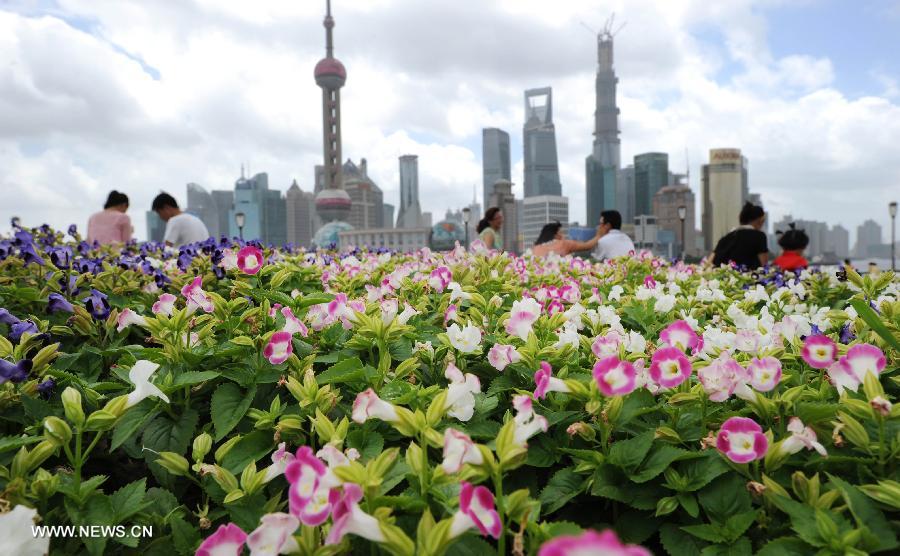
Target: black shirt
(742,246)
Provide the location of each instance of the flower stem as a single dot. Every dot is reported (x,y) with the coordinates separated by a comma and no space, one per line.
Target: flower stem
(501,510)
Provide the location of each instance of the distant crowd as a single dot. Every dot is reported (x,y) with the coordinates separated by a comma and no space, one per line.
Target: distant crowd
(745,246)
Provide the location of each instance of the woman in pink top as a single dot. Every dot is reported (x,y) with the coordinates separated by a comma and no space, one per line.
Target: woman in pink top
(551,241)
(111,225)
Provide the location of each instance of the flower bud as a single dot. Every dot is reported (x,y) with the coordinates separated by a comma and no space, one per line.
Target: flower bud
(100,420)
(173,463)
(226,447)
(56,430)
(666,505)
(881,406)
(44,484)
(40,453)
(116,406)
(583,430)
(44,357)
(202,446)
(71,400)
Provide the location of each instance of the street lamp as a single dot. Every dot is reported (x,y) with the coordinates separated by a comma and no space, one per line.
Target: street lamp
(239,218)
(682,214)
(892,208)
(466,215)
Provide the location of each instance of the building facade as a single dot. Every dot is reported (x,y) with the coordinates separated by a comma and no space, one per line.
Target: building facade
(539,144)
(665,209)
(651,173)
(224,202)
(625,193)
(410,215)
(201,204)
(388,215)
(645,232)
(396,239)
(156,228)
(301,212)
(602,165)
(367,209)
(541,210)
(868,238)
(725,188)
(495,162)
(504,199)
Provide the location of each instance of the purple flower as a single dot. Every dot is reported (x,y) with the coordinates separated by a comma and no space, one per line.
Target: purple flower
(57,303)
(21,327)
(73,230)
(61,257)
(847,335)
(7,318)
(97,304)
(46,388)
(15,372)
(29,255)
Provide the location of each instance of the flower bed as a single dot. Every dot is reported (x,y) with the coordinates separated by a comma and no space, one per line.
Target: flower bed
(235,398)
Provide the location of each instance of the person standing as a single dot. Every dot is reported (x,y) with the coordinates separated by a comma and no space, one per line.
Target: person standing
(793,242)
(181,228)
(551,241)
(746,245)
(613,242)
(489,228)
(111,225)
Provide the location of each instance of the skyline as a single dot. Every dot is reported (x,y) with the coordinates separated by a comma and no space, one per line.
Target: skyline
(138,135)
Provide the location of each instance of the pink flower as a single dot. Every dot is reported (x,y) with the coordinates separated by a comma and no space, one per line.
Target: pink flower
(348,518)
(765,373)
(570,293)
(591,543)
(527,422)
(227,540)
(229,259)
(310,484)
(128,317)
(279,348)
(722,377)
(250,259)
(850,371)
(801,437)
(523,315)
(440,278)
(280,460)
(607,346)
(476,510)
(275,535)
(450,314)
(545,382)
(614,377)
(819,351)
(649,282)
(680,334)
(742,440)
(669,367)
(748,341)
(293,325)
(273,311)
(196,297)
(555,306)
(461,393)
(502,355)
(368,405)
(459,450)
(165,305)
(341,308)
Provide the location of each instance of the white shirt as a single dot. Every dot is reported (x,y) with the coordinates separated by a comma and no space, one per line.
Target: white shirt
(613,244)
(185,228)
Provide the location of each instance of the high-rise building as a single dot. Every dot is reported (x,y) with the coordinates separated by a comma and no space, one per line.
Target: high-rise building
(332,201)
(224,202)
(540,210)
(725,188)
(410,215)
(301,210)
(838,242)
(494,159)
(665,208)
(427,219)
(274,218)
(156,228)
(264,212)
(624,194)
(602,165)
(200,203)
(504,199)
(387,218)
(651,173)
(367,210)
(868,237)
(539,144)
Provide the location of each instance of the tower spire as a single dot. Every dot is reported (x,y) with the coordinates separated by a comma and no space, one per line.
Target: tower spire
(329,25)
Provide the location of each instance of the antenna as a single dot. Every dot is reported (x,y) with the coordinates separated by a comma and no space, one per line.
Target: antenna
(687,164)
(589,28)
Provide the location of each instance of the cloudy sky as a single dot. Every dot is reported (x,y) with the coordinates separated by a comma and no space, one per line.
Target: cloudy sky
(143,96)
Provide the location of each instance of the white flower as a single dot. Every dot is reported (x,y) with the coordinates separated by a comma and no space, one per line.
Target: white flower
(573,315)
(139,375)
(522,316)
(466,340)
(459,450)
(425,347)
(756,294)
(128,317)
(635,342)
(461,393)
(616,293)
(643,293)
(608,315)
(664,303)
(456,292)
(16,536)
(274,536)
(408,312)
(568,335)
(801,437)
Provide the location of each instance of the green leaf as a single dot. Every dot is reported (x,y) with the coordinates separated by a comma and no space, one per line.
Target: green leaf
(129,500)
(164,434)
(185,536)
(741,547)
(557,528)
(874,321)
(707,532)
(228,406)
(700,472)
(36,408)
(500,384)
(195,377)
(163,501)
(16,442)
(803,520)
(563,486)
(251,447)
(480,429)
(470,545)
(785,546)
(725,497)
(867,515)
(348,370)
(657,462)
(133,419)
(677,542)
(628,454)
(610,482)
(369,444)
(736,525)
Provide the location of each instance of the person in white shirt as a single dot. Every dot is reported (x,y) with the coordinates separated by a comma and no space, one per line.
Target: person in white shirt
(613,242)
(181,228)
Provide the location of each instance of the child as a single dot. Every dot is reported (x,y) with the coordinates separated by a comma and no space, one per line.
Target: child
(793,242)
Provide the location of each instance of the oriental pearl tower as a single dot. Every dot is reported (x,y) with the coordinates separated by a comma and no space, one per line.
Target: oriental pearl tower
(332,202)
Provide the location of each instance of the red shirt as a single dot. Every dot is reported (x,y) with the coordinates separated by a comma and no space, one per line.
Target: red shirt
(791,260)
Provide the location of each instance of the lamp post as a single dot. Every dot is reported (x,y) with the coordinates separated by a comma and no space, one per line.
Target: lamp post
(239,218)
(892,208)
(466,215)
(682,214)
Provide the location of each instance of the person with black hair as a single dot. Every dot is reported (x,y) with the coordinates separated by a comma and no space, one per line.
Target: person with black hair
(111,225)
(551,241)
(181,227)
(612,242)
(746,246)
(793,242)
(489,228)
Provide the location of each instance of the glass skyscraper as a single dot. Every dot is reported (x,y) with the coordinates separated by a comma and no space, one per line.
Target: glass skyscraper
(602,165)
(539,144)
(494,159)
(651,173)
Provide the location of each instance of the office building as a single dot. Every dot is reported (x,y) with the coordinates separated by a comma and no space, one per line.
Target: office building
(200,203)
(665,209)
(387,218)
(156,228)
(868,238)
(395,239)
(602,165)
(301,211)
(724,185)
(367,209)
(838,242)
(645,232)
(540,210)
(427,219)
(624,194)
(410,215)
(504,199)
(539,144)
(494,159)
(265,216)
(651,173)
(223,201)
